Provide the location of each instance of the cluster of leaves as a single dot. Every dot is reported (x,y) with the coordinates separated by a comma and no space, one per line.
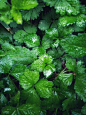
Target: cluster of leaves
(42,57)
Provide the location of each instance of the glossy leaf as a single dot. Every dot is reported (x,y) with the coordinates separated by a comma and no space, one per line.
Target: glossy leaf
(46,42)
(71,64)
(32,40)
(24,4)
(44,88)
(48,70)
(55,43)
(29,109)
(74,45)
(68,7)
(39,50)
(46,58)
(16,15)
(66,21)
(6,64)
(66,78)
(80,85)
(28,79)
(32,97)
(19,36)
(52,33)
(38,65)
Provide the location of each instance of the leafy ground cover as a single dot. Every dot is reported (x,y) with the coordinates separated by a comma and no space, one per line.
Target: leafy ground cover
(42,57)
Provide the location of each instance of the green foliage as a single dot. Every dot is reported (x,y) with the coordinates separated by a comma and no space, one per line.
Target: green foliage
(42,57)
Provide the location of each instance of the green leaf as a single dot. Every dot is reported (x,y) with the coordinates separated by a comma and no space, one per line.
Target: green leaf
(81,20)
(43,25)
(66,21)
(16,15)
(3,100)
(46,58)
(19,36)
(80,67)
(71,64)
(32,97)
(68,7)
(55,43)
(29,109)
(3,3)
(38,65)
(30,28)
(6,64)
(32,40)
(48,70)
(76,112)
(69,103)
(80,85)
(32,13)
(44,88)
(66,78)
(15,99)
(46,42)
(39,50)
(8,110)
(28,79)
(24,4)
(18,70)
(52,33)
(83,110)
(74,45)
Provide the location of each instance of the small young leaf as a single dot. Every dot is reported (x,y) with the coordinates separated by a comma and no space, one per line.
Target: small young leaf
(44,88)
(48,70)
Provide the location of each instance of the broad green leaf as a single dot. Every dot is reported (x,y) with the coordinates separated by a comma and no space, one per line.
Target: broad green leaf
(3,100)
(57,64)
(39,51)
(76,112)
(83,110)
(24,4)
(80,67)
(16,15)
(9,86)
(46,59)
(18,70)
(15,99)
(8,110)
(46,42)
(28,79)
(66,78)
(66,21)
(38,65)
(6,64)
(29,28)
(32,40)
(71,64)
(55,43)
(44,88)
(29,109)
(80,86)
(48,70)
(32,97)
(22,55)
(69,103)
(19,36)
(81,20)
(43,25)
(51,103)
(75,45)
(3,3)
(68,7)
(52,33)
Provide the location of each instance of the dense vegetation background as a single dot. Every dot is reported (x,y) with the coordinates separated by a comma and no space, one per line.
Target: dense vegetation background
(42,57)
